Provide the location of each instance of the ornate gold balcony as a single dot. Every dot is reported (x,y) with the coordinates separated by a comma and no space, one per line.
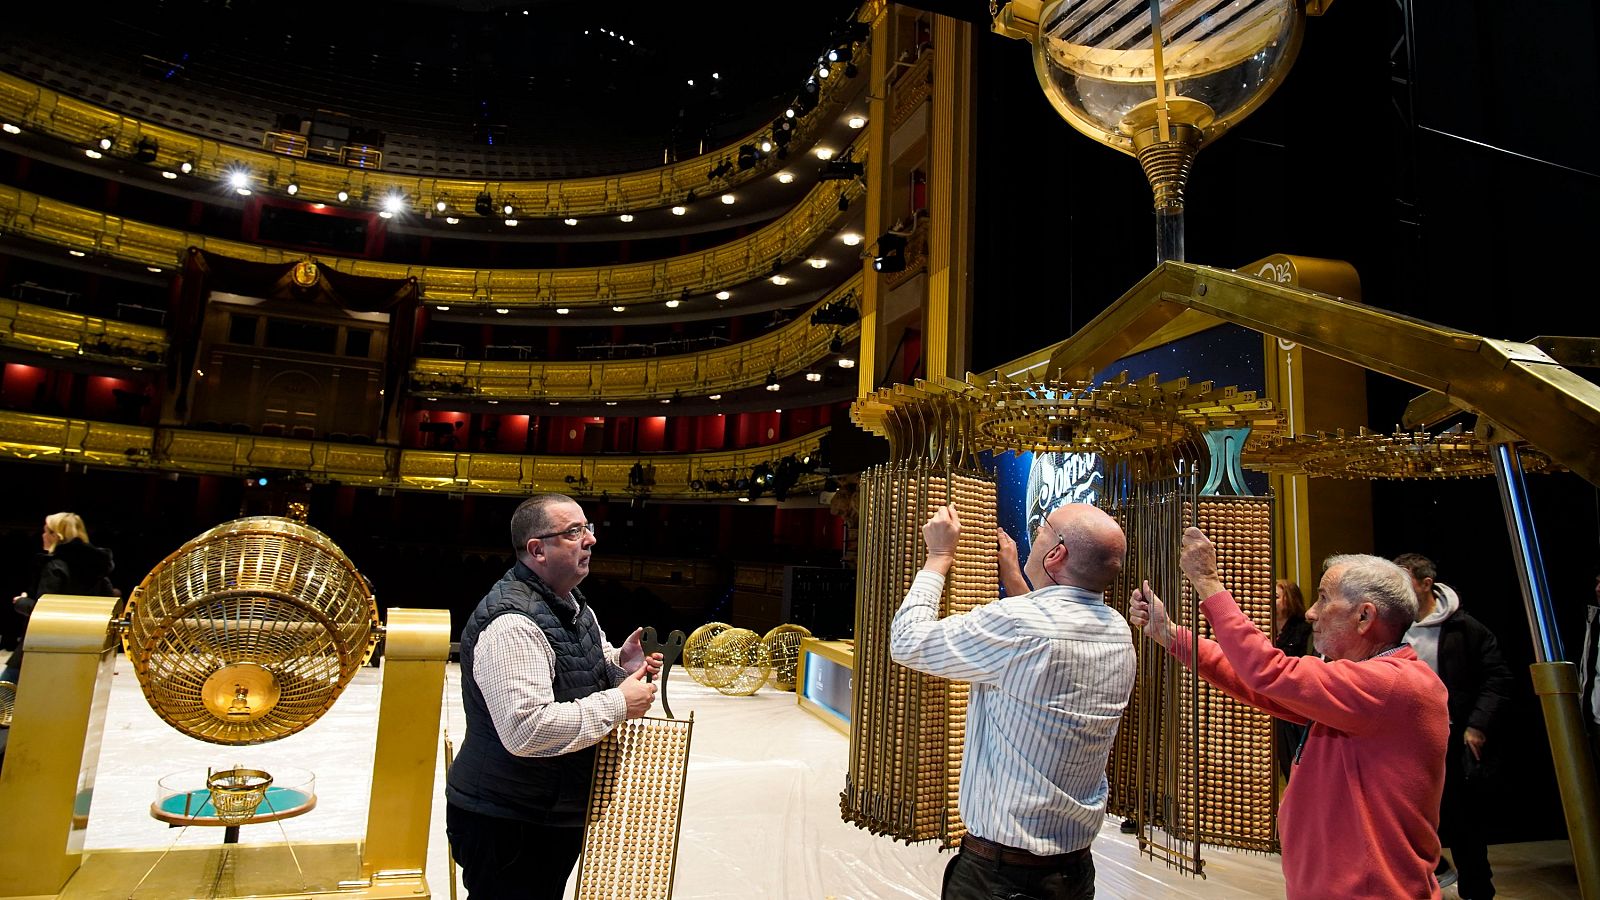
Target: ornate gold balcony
(24,326)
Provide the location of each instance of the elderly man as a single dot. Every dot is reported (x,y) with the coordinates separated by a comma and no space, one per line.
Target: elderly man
(1051,671)
(541,686)
(1360,816)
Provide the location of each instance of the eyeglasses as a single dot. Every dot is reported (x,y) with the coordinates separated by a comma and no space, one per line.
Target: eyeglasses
(575,533)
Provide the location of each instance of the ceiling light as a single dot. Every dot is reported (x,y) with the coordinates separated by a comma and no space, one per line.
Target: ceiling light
(292,189)
(666,399)
(570,221)
(555,402)
(766,146)
(856,121)
(846,362)
(717,75)
(343,195)
(106,143)
(169,175)
(785,177)
(11,129)
(238,178)
(817,263)
(243,192)
(562,310)
(774,387)
(618,308)
(824,153)
(789,113)
(823,71)
(93,153)
(394,203)
(319,206)
(511,222)
(813,376)
(691,82)
(727,199)
(385,214)
(850,238)
(501,310)
(77,253)
(451,220)
(714,397)
(744,499)
(442,308)
(723,295)
(153,270)
(508,209)
(611,403)
(626,217)
(679,210)
(673,303)
(780,280)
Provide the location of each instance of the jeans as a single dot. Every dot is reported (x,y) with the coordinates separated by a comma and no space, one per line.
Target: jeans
(969,878)
(503,858)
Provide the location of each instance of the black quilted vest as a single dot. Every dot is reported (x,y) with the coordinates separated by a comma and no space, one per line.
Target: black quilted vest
(485,778)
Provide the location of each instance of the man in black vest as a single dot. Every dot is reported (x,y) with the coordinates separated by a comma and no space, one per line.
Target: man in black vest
(541,686)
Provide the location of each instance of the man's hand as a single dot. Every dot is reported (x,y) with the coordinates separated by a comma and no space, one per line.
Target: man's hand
(632,651)
(1010,571)
(940,534)
(1197,557)
(1145,610)
(1475,739)
(638,693)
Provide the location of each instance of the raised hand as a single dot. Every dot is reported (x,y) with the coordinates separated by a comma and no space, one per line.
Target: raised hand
(1010,570)
(632,652)
(941,532)
(1197,557)
(1146,611)
(638,693)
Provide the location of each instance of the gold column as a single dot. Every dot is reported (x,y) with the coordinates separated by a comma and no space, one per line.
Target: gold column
(1316,393)
(47,784)
(879,68)
(950,192)
(416,645)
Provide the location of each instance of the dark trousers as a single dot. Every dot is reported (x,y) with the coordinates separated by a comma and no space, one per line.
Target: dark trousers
(1461,824)
(967,877)
(502,859)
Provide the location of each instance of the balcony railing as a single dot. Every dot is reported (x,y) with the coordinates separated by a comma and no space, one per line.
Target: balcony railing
(24,326)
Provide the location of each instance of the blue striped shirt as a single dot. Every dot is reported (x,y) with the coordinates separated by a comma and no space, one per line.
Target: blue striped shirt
(1051,672)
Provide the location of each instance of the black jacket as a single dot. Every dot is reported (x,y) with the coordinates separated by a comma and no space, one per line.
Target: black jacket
(76,568)
(1475,674)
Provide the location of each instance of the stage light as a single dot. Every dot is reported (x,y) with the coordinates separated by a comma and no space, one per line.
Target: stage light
(723,295)
(839,169)
(144,151)
(186,166)
(891,253)
(484,205)
(840,54)
(772,382)
(844,202)
(343,196)
(393,203)
(766,146)
(440,205)
(748,156)
(239,180)
(508,209)
(823,71)
(106,143)
(291,189)
(837,344)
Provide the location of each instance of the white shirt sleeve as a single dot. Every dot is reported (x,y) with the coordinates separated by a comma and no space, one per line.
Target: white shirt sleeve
(514,667)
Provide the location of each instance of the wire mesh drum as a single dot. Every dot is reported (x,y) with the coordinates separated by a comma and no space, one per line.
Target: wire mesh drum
(736,662)
(249,632)
(783,652)
(694,649)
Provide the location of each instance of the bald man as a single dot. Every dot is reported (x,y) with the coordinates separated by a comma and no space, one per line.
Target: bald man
(1051,670)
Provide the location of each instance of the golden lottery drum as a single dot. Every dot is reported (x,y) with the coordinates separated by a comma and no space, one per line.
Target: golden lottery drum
(249,632)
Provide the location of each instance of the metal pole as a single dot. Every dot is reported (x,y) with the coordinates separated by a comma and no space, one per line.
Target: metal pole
(1554,680)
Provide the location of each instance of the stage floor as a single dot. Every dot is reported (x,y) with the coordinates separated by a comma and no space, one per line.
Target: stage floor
(761,812)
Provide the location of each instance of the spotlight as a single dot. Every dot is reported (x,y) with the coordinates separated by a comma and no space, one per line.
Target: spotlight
(891,253)
(291,189)
(840,54)
(144,151)
(239,180)
(343,195)
(186,166)
(836,345)
(484,205)
(766,146)
(394,203)
(823,71)
(106,143)
(508,209)
(440,206)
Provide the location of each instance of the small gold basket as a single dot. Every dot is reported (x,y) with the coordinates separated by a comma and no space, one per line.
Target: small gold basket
(236,793)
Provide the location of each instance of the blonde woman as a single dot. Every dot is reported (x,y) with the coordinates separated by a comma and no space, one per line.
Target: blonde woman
(70,565)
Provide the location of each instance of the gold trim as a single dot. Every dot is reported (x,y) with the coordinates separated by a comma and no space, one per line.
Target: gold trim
(32,216)
(792,348)
(26,326)
(41,109)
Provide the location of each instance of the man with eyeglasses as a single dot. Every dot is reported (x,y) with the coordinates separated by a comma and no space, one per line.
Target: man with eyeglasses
(541,686)
(1360,817)
(1051,670)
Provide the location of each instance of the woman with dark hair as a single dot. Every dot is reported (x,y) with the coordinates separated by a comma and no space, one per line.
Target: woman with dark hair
(69,565)
(1294,639)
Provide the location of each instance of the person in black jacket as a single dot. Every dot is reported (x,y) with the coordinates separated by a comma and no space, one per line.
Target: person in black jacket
(1294,639)
(1467,659)
(69,565)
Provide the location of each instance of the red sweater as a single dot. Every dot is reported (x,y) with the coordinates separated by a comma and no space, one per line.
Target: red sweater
(1360,817)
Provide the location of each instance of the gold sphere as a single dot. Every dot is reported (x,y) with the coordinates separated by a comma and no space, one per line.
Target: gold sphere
(694,649)
(736,662)
(783,652)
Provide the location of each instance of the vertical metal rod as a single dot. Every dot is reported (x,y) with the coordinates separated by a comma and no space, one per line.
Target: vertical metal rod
(1525,545)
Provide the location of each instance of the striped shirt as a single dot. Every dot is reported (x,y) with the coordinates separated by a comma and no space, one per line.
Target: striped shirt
(514,667)
(1051,672)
